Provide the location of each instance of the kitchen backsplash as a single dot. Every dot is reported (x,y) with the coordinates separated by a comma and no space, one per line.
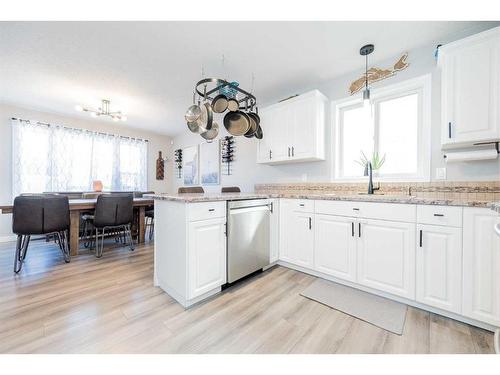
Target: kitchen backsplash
(482,191)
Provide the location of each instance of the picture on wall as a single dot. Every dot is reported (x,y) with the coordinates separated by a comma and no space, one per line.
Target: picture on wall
(210,163)
(190,165)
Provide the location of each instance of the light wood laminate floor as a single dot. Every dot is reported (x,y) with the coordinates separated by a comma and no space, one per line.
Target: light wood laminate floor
(110,305)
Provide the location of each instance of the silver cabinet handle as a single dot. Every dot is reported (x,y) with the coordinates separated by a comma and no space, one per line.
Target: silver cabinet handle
(310,223)
(420,242)
(352,229)
(439,215)
(270,154)
(293,151)
(355,209)
(449,130)
(359,230)
(211,209)
(288,151)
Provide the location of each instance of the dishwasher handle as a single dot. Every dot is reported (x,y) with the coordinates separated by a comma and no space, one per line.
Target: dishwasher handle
(268,206)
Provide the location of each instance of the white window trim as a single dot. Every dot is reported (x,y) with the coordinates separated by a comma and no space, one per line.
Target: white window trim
(420,84)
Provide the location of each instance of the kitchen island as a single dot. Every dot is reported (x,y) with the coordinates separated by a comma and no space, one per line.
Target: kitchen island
(190,244)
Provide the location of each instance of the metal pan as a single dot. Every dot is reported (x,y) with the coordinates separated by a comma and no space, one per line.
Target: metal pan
(204,122)
(236,123)
(193,112)
(209,135)
(220,103)
(258,133)
(233,105)
(253,125)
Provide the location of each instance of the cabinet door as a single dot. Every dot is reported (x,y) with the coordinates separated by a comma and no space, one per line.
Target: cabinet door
(274,231)
(296,236)
(470,90)
(335,246)
(273,146)
(439,267)
(303,128)
(206,256)
(386,256)
(481,295)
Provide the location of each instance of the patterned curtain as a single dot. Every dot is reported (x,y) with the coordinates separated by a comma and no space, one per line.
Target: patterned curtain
(57,158)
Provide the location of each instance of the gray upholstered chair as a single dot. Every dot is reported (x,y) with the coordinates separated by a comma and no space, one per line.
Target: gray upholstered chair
(40,215)
(230,189)
(113,212)
(190,190)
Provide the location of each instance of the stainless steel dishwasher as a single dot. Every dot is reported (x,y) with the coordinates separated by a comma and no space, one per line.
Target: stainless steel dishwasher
(247,237)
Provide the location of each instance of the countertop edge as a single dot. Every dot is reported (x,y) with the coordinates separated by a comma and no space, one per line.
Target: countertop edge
(196,198)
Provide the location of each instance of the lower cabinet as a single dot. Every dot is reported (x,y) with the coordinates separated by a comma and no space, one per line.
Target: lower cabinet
(206,256)
(386,256)
(481,294)
(297,236)
(439,267)
(335,246)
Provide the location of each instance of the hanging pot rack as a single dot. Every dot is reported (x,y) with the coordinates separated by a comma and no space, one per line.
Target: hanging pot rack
(204,90)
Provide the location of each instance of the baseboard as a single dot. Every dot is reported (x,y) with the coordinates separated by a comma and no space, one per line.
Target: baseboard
(408,302)
(8,238)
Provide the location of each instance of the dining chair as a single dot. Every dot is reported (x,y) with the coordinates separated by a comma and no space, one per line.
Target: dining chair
(190,190)
(40,215)
(113,212)
(230,189)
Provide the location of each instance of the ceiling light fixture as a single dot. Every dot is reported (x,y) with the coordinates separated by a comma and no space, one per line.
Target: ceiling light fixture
(365,51)
(104,110)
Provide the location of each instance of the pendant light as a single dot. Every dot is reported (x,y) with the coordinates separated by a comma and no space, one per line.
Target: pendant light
(365,51)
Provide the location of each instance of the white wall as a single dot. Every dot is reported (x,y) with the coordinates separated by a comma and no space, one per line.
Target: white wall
(156,143)
(247,172)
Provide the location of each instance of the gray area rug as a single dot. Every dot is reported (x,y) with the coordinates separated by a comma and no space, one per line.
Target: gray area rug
(379,311)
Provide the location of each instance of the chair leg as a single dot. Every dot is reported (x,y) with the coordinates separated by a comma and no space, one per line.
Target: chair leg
(24,247)
(128,230)
(151,229)
(18,263)
(65,248)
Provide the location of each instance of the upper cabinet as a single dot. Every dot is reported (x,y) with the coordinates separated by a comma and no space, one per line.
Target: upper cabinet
(294,130)
(471,90)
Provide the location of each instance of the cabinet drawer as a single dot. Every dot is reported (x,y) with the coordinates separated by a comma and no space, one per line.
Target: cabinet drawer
(300,205)
(206,210)
(368,210)
(439,215)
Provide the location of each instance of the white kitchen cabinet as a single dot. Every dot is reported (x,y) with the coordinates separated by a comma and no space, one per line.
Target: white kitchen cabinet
(470,73)
(335,246)
(297,235)
(274,231)
(294,130)
(481,246)
(386,256)
(439,267)
(206,256)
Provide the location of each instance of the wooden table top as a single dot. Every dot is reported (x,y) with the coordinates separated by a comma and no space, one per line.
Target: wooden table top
(85,204)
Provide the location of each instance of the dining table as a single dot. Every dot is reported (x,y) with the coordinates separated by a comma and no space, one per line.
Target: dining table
(78,206)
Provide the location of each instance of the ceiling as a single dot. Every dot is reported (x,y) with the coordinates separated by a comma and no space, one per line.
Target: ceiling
(148,69)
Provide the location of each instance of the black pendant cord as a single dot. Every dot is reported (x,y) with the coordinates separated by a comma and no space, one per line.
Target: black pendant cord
(366,72)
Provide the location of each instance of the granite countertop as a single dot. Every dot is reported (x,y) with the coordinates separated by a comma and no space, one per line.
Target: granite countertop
(402,199)
(205,197)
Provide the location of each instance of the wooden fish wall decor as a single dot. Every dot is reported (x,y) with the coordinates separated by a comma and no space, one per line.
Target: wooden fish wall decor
(377,74)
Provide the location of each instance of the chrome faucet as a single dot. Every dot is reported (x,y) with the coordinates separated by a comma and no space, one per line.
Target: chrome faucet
(369,173)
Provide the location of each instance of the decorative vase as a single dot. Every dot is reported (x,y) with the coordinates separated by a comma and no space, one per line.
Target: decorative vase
(97,185)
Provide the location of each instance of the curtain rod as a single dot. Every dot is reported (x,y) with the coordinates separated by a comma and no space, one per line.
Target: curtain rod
(86,130)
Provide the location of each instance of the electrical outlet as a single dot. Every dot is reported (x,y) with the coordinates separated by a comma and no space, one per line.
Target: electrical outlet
(441,173)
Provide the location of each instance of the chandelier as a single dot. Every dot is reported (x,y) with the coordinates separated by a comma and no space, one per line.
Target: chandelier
(103,110)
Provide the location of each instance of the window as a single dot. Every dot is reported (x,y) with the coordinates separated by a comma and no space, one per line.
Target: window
(57,158)
(396,126)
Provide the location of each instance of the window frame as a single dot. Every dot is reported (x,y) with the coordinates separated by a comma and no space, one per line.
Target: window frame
(419,85)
